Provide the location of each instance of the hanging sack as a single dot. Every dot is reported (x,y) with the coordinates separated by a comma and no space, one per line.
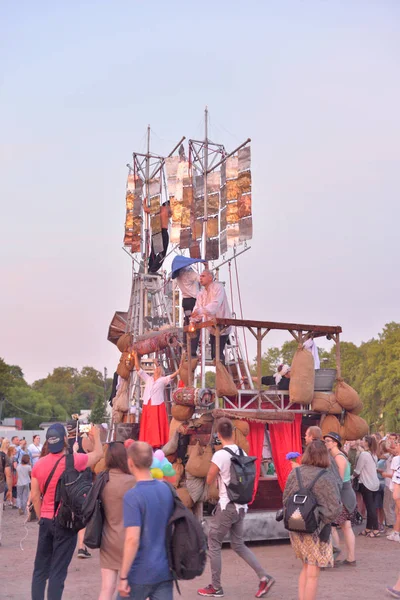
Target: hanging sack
(184,497)
(122,370)
(346,395)
(330,423)
(242,425)
(224,383)
(199,460)
(195,486)
(301,508)
(240,440)
(182,413)
(93,512)
(354,428)
(179,470)
(325,402)
(172,445)
(124,341)
(184,396)
(302,377)
(121,400)
(242,477)
(183,369)
(174,424)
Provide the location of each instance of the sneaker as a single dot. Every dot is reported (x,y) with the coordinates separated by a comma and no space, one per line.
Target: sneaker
(211,592)
(265,586)
(394,537)
(83,553)
(393,592)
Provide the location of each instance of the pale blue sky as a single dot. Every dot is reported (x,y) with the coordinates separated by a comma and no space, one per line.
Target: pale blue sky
(315,84)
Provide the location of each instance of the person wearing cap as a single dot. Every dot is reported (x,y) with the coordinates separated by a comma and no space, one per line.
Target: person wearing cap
(56,545)
(333,442)
(281,378)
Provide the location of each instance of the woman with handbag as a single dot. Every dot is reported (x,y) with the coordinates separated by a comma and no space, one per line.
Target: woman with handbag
(112,540)
(333,442)
(367,476)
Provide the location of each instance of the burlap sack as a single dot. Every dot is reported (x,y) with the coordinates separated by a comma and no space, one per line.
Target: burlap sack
(330,423)
(124,342)
(354,428)
(101,465)
(358,409)
(121,400)
(173,426)
(302,377)
(122,370)
(240,440)
(325,402)
(179,470)
(181,413)
(172,445)
(224,383)
(195,486)
(242,425)
(199,460)
(185,497)
(346,395)
(183,370)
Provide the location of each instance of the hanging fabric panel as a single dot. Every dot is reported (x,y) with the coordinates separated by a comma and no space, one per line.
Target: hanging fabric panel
(285,438)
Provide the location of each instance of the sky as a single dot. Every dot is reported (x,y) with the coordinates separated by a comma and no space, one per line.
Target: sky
(316,86)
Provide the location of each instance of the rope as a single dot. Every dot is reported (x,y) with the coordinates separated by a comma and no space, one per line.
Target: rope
(26,534)
(26,411)
(241,310)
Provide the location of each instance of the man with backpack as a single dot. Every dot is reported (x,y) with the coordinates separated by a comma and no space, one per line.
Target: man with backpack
(229,514)
(145,571)
(58,526)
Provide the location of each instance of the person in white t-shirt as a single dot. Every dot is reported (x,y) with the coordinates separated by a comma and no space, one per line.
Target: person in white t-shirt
(395,487)
(228,518)
(35,449)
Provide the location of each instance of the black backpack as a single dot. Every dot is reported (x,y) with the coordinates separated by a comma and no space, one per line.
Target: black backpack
(186,542)
(93,512)
(243,475)
(72,489)
(301,508)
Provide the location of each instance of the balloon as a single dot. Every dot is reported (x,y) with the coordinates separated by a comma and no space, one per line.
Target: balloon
(164,462)
(171,479)
(159,454)
(155,464)
(128,443)
(168,470)
(157,473)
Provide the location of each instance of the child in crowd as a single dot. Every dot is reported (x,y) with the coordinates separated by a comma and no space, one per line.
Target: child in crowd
(24,477)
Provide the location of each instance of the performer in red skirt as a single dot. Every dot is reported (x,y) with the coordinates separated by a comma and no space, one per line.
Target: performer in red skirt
(154,427)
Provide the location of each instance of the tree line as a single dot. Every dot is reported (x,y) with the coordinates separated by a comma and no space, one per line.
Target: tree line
(372,368)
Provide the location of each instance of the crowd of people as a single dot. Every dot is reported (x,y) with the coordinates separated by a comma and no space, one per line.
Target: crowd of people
(351,482)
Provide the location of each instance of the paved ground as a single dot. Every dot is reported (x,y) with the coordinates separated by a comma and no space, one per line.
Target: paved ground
(378,565)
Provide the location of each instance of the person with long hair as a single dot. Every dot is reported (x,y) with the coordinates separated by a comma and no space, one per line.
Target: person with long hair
(12,457)
(314,549)
(112,540)
(333,442)
(369,484)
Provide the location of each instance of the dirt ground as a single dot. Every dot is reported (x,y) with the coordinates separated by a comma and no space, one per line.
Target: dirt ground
(378,565)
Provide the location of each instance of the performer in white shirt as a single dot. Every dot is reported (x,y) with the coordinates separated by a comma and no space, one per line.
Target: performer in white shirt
(154,427)
(211,302)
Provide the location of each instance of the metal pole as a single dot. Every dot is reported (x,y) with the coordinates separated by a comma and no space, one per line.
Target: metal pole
(105,389)
(338,365)
(146,215)
(203,249)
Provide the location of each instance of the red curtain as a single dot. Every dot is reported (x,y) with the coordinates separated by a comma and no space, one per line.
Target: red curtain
(285,437)
(256,441)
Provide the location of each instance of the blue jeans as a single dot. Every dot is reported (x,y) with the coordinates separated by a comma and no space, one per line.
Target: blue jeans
(152,591)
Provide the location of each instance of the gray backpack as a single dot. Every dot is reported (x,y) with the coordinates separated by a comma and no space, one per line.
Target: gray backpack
(243,475)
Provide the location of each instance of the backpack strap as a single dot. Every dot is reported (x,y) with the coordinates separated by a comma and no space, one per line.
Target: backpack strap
(46,485)
(232,453)
(314,481)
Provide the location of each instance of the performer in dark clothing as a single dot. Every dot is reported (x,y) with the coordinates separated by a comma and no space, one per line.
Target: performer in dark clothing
(281,378)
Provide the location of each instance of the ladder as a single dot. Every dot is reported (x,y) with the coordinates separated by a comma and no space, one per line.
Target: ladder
(236,364)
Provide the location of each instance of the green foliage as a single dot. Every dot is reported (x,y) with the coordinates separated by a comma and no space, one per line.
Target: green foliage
(63,392)
(98,413)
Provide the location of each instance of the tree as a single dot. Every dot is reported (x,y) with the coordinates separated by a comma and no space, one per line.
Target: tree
(98,413)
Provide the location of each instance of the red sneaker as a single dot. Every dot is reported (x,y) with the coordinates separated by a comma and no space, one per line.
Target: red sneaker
(211,592)
(265,586)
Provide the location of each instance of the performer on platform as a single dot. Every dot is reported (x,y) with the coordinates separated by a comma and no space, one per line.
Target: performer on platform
(154,427)
(156,260)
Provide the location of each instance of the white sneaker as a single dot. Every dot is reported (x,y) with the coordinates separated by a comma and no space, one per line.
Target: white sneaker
(394,537)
